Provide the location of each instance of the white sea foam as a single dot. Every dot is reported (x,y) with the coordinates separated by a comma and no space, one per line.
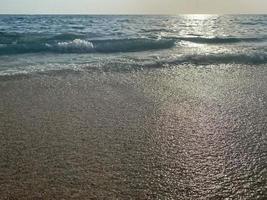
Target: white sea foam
(76,45)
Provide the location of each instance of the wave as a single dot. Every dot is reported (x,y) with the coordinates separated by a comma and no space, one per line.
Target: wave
(218,40)
(130,63)
(60,45)
(132,45)
(253,58)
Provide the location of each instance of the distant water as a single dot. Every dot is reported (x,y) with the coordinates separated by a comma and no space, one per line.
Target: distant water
(43,43)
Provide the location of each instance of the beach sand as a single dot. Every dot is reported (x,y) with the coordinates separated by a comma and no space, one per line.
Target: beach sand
(185,132)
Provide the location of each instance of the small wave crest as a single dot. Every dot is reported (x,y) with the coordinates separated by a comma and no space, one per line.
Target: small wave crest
(75,46)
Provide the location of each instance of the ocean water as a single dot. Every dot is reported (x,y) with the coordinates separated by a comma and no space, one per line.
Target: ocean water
(133,107)
(41,43)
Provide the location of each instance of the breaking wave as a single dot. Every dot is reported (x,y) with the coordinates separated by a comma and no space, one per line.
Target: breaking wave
(85,46)
(74,46)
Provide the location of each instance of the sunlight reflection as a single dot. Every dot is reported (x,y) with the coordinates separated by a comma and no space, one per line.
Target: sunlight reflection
(200,25)
(200,16)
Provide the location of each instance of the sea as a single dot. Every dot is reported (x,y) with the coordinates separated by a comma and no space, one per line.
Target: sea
(133,107)
(30,44)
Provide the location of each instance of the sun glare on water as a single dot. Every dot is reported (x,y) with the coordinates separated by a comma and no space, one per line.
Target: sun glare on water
(200,16)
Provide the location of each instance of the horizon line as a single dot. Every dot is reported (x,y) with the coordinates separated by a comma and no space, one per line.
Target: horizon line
(133,14)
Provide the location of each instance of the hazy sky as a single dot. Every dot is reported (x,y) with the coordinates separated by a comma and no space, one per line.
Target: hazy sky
(132,6)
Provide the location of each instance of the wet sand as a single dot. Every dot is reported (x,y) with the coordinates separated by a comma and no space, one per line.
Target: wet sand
(184,133)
